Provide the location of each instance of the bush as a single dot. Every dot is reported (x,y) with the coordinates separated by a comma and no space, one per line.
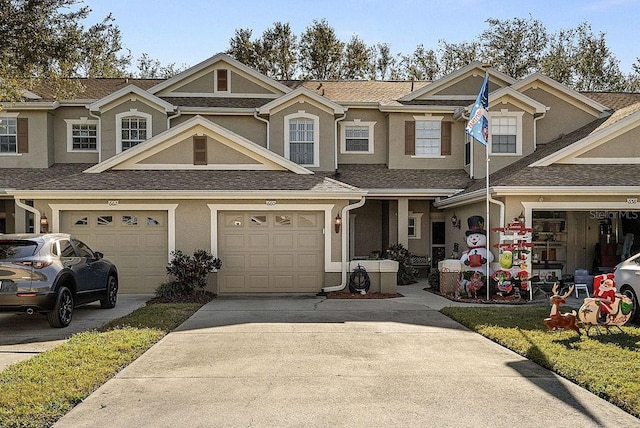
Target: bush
(190,273)
(406,271)
(434,279)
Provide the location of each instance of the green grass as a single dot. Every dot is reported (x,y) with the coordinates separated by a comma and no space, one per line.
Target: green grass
(39,391)
(607,365)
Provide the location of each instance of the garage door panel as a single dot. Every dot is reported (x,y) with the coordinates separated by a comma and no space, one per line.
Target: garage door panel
(282,251)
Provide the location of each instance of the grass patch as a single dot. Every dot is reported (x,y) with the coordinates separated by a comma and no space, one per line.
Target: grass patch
(607,365)
(39,391)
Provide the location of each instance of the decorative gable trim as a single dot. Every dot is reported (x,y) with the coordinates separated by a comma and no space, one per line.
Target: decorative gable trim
(207,64)
(561,91)
(600,136)
(198,125)
(131,89)
(319,100)
(474,68)
(508,94)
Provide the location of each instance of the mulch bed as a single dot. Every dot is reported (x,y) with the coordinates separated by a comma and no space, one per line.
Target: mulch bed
(343,295)
(499,300)
(199,297)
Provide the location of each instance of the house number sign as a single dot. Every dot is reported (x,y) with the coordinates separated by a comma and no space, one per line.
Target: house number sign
(270,202)
(632,201)
(112,203)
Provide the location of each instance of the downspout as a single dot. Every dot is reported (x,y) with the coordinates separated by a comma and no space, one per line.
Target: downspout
(178,114)
(345,241)
(255,114)
(99,118)
(335,157)
(502,211)
(535,129)
(36,213)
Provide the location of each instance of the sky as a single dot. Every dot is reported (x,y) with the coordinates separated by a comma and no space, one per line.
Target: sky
(188,32)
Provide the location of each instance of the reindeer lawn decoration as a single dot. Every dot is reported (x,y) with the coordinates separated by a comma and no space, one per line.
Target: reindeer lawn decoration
(557,320)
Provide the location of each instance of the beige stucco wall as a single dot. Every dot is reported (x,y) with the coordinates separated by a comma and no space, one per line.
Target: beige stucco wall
(326,130)
(108,123)
(379,155)
(561,117)
(201,85)
(60,135)
(623,146)
(39,155)
(242,85)
(247,126)
(182,153)
(468,86)
(421,246)
(397,158)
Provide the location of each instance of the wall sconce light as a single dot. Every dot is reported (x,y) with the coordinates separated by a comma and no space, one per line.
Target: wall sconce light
(521,218)
(44,224)
(455,221)
(338,223)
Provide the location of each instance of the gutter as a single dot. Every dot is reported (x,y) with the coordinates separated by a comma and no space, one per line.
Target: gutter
(178,114)
(99,118)
(535,129)
(335,130)
(255,114)
(36,213)
(345,256)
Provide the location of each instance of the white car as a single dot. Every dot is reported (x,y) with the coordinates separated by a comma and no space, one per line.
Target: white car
(627,279)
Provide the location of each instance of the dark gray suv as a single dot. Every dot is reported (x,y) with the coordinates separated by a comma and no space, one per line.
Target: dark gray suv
(52,274)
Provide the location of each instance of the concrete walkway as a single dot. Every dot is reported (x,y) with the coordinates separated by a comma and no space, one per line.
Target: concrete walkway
(313,362)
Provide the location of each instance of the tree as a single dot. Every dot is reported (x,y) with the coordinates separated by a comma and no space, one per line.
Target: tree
(456,55)
(421,65)
(357,59)
(633,79)
(242,48)
(279,51)
(514,46)
(320,52)
(596,66)
(45,39)
(151,68)
(557,62)
(383,62)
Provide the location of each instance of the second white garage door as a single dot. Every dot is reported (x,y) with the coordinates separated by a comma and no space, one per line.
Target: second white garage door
(136,241)
(267,252)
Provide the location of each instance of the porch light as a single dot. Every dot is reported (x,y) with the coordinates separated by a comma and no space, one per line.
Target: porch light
(521,218)
(338,223)
(44,224)
(455,221)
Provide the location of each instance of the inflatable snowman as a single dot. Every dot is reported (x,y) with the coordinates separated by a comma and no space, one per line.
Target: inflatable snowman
(475,258)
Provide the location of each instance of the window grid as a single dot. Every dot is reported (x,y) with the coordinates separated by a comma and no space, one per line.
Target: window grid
(134,131)
(503,134)
(84,137)
(301,140)
(357,138)
(8,135)
(428,137)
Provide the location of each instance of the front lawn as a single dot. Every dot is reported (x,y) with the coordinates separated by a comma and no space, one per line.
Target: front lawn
(39,391)
(607,365)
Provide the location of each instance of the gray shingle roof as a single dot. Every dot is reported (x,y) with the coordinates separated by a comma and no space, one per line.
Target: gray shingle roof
(217,102)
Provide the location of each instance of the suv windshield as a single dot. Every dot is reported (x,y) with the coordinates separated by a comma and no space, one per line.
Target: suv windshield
(10,250)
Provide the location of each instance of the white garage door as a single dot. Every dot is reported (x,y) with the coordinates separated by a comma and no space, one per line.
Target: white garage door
(266,252)
(136,241)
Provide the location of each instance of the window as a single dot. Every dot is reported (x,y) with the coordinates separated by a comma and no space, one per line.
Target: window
(467,149)
(222,81)
(302,139)
(66,250)
(199,150)
(414,225)
(427,136)
(83,250)
(506,133)
(8,135)
(82,135)
(356,137)
(133,128)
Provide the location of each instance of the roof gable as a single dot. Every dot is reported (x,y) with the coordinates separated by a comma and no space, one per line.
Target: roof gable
(438,89)
(318,100)
(264,85)
(126,92)
(249,156)
(516,98)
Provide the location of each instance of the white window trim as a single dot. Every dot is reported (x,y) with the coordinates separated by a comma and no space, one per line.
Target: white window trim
(418,225)
(343,136)
(81,121)
(131,113)
(215,81)
(316,135)
(10,116)
(433,119)
(505,113)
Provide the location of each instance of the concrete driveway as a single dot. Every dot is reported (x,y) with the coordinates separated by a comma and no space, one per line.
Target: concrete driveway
(312,362)
(23,336)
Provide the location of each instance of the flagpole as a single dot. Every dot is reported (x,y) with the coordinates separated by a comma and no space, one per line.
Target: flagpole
(487,196)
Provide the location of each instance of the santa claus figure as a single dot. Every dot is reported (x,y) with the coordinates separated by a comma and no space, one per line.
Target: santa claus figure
(604,289)
(476,256)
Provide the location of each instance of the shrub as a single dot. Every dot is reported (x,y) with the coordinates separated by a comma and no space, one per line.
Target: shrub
(406,271)
(434,279)
(190,273)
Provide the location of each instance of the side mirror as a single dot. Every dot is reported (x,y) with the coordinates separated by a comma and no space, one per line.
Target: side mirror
(98,254)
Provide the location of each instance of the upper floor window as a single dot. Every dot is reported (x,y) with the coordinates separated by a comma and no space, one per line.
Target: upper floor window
(133,127)
(222,80)
(82,135)
(427,136)
(506,133)
(356,137)
(8,135)
(302,141)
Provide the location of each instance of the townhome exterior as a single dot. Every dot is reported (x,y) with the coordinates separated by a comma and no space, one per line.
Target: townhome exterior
(289,181)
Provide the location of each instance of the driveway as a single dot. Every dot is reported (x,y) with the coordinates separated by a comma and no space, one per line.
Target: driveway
(313,362)
(23,336)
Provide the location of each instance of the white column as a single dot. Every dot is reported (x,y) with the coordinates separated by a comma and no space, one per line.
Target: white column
(403,222)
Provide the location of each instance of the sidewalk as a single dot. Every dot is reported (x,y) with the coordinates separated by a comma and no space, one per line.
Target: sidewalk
(315,362)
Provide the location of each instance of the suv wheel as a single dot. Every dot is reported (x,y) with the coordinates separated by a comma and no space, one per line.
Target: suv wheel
(635,312)
(111,298)
(63,310)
